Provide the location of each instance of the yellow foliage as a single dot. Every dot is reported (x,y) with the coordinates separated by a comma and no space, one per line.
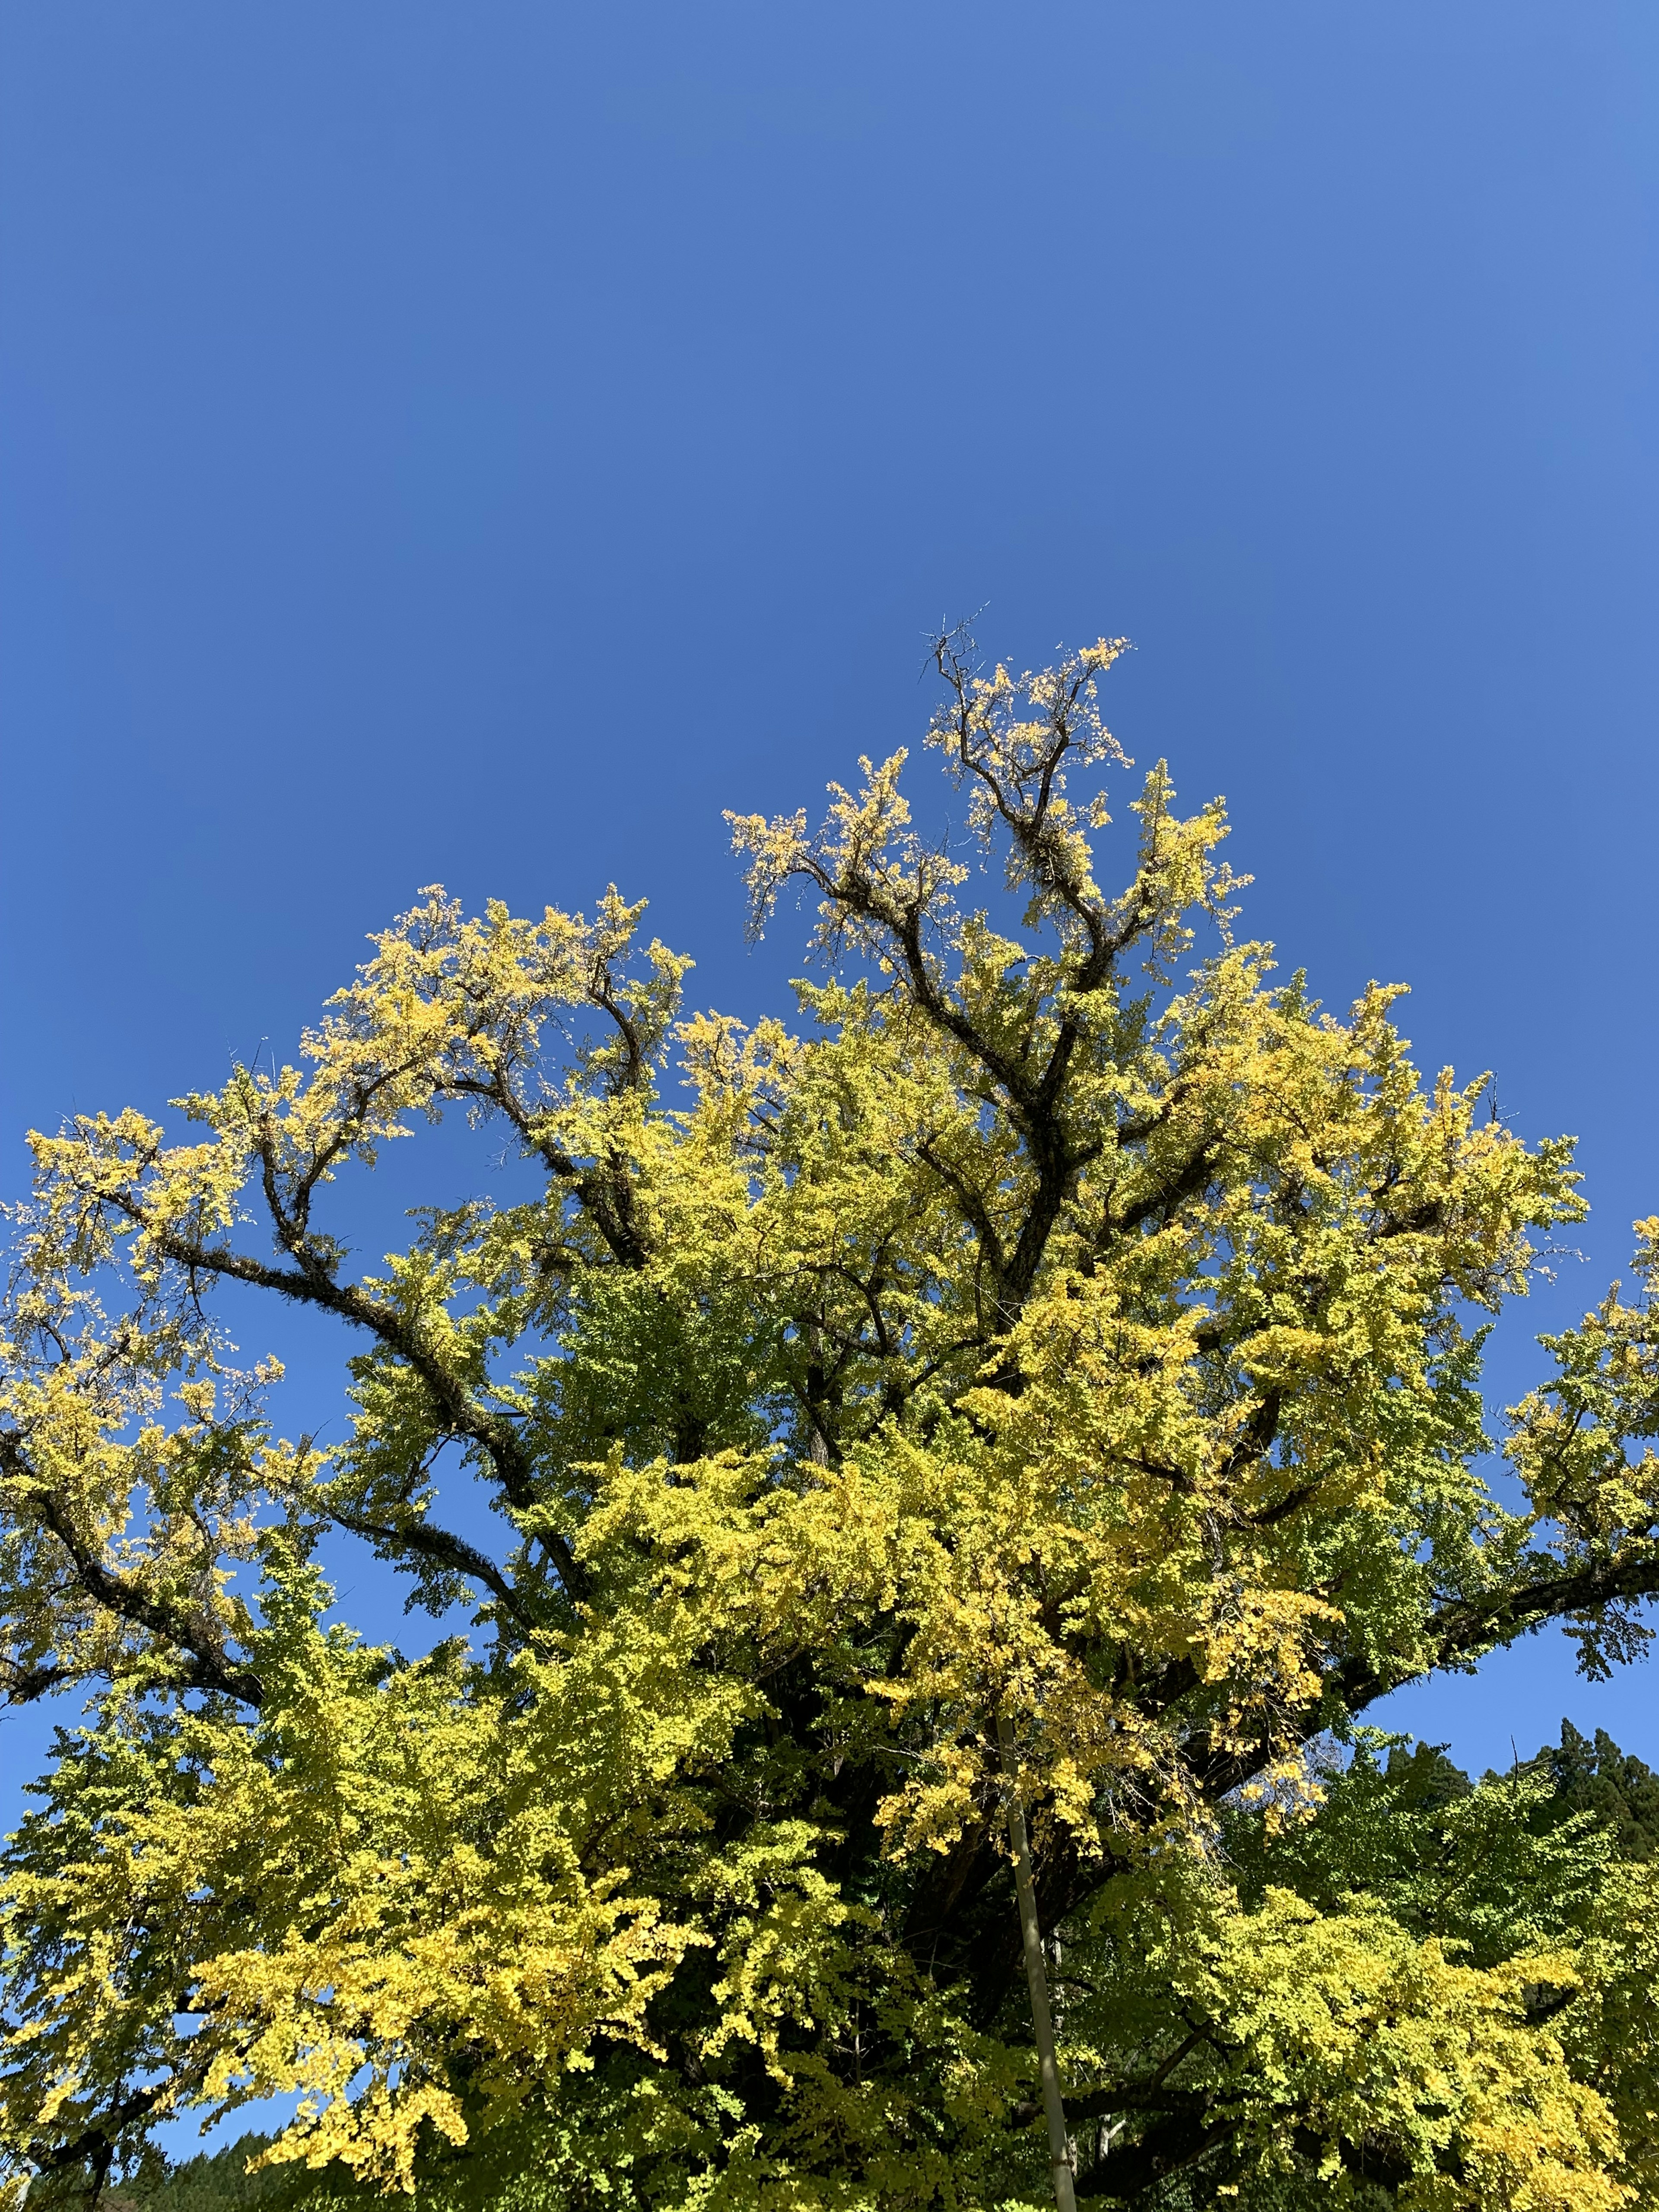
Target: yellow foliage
(1071,1335)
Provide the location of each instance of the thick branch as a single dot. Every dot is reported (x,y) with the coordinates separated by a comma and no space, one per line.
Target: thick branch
(607,1196)
(424,1541)
(1457,1633)
(309,1282)
(189,1637)
(1177,2139)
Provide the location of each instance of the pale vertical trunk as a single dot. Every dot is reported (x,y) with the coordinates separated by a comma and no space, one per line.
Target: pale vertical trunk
(817,1443)
(1036,1979)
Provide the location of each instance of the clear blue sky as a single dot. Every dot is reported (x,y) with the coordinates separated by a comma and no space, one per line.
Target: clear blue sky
(478,442)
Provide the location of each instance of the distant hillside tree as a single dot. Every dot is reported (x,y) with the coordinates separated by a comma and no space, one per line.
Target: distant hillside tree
(1621,1792)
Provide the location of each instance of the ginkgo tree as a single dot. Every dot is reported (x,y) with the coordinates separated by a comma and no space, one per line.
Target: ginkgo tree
(966,1460)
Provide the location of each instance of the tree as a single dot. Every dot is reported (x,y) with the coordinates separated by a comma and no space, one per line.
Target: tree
(1598,1777)
(1037,1400)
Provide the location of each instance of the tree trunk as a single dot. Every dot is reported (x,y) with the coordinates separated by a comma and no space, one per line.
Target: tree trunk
(1036,1977)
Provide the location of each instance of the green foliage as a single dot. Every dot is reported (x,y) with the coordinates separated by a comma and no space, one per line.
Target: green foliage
(228,2179)
(1618,1791)
(1055,1371)
(1494,1869)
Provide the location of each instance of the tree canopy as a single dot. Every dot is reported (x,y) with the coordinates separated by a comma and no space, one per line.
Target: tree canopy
(965,1463)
